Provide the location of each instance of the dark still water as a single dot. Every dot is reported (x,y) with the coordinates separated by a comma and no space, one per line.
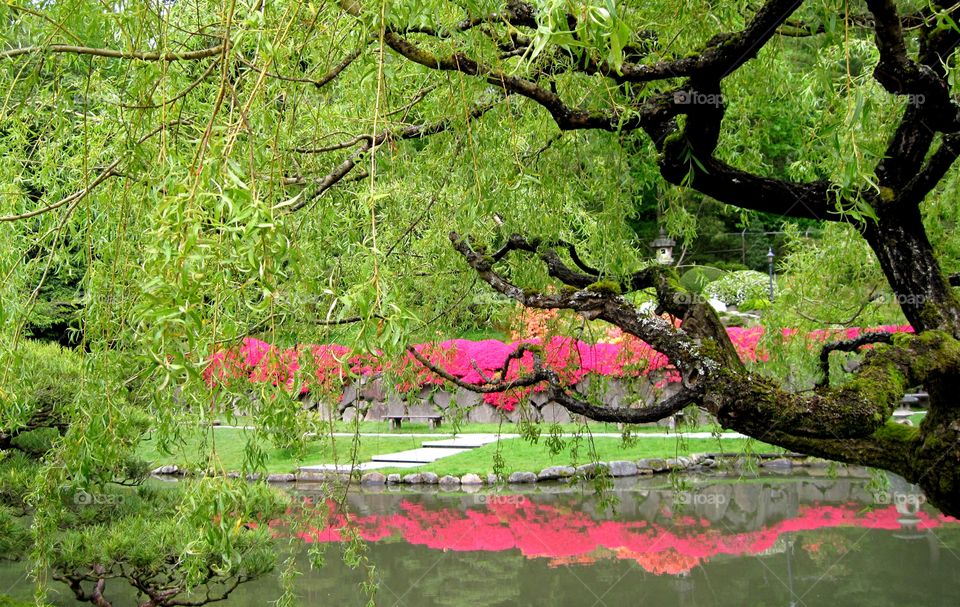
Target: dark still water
(788,540)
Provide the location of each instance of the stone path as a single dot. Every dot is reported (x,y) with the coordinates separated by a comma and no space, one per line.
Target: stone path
(429,451)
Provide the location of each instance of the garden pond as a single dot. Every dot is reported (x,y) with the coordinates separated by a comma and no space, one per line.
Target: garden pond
(801,538)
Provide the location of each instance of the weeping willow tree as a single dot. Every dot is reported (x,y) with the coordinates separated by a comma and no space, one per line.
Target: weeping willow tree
(188,173)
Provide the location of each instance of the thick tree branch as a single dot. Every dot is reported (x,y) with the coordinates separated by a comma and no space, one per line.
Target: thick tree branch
(847,345)
(888,453)
(112,54)
(855,409)
(501,385)
(900,75)
(683,351)
(723,54)
(924,181)
(812,200)
(624,415)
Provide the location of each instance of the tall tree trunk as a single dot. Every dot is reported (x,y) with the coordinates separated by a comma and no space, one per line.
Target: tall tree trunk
(908,261)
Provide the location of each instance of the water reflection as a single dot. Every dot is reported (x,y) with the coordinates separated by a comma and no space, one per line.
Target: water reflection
(664,530)
(797,541)
(794,540)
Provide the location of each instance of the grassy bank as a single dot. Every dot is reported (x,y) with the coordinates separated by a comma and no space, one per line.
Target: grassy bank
(519,455)
(224,449)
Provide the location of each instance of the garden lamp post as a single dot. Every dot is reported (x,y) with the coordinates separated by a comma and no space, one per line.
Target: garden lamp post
(770,257)
(663,248)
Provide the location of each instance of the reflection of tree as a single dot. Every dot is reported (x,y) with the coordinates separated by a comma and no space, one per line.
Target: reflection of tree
(826,550)
(667,543)
(828,543)
(473,579)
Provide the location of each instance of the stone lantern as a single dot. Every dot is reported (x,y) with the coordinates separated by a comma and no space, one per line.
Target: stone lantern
(663,248)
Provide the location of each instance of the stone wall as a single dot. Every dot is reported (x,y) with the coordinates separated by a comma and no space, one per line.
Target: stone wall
(372,399)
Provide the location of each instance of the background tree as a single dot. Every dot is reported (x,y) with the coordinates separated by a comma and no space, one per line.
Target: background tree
(681,103)
(291,170)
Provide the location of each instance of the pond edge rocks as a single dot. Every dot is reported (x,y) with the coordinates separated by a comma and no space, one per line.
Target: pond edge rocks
(775,462)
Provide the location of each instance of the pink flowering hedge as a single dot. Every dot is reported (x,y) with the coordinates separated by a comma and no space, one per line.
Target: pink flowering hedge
(327,369)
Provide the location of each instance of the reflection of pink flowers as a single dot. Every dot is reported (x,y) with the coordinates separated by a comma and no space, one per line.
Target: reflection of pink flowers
(331,366)
(571,537)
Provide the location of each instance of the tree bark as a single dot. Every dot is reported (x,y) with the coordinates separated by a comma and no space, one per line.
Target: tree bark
(906,256)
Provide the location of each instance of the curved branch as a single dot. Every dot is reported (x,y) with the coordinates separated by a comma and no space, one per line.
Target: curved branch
(577,260)
(318,82)
(556,268)
(110,171)
(899,75)
(559,394)
(624,415)
(112,54)
(676,344)
(922,183)
(369,141)
(538,376)
(179,95)
(847,345)
(565,116)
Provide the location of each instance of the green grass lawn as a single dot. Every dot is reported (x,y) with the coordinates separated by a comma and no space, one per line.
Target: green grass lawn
(522,456)
(227,446)
(224,449)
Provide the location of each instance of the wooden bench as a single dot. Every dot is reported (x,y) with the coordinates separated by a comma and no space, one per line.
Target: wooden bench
(395,420)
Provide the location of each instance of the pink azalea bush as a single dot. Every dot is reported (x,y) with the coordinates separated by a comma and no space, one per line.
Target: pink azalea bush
(746,340)
(331,367)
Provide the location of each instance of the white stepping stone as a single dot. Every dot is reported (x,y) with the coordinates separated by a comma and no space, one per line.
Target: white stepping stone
(418,456)
(462,442)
